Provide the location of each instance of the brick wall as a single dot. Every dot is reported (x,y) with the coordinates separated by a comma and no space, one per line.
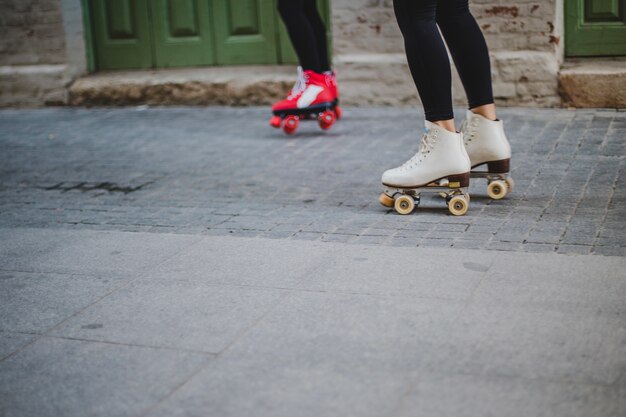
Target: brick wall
(32,52)
(525,46)
(31,32)
(523,38)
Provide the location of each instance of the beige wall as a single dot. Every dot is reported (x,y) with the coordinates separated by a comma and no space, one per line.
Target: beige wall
(42,49)
(32,53)
(524,38)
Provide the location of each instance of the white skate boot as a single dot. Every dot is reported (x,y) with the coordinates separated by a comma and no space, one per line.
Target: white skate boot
(487,145)
(441,165)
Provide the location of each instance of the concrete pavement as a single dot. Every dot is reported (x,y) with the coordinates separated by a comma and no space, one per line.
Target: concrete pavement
(194,262)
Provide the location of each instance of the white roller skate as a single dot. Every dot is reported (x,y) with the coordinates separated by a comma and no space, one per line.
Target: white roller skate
(487,146)
(441,165)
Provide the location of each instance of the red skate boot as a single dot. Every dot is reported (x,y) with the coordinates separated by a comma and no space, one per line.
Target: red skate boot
(331,81)
(311,98)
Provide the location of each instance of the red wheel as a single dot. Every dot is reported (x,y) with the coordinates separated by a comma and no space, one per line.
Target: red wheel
(275,121)
(338,112)
(291,124)
(326,119)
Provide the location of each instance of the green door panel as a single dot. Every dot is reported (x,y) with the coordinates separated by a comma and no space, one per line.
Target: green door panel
(245,32)
(182,33)
(121,34)
(595,27)
(287,55)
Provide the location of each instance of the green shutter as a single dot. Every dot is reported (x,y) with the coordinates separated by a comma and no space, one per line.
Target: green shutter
(595,27)
(121,34)
(182,33)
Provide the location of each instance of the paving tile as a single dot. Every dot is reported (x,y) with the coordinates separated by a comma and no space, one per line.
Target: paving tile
(315,355)
(403,271)
(173,311)
(547,344)
(12,342)
(213,260)
(559,282)
(35,302)
(86,252)
(472,395)
(54,377)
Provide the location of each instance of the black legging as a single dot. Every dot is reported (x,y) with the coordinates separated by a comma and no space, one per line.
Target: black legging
(307,33)
(428,59)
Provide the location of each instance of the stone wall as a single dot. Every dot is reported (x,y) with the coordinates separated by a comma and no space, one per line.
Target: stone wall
(524,39)
(32,53)
(42,50)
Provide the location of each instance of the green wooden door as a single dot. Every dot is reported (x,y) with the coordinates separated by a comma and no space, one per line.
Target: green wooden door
(245,32)
(180,33)
(595,27)
(121,34)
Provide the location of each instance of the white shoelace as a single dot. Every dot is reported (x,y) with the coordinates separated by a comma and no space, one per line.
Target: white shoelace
(427,144)
(299,86)
(468,129)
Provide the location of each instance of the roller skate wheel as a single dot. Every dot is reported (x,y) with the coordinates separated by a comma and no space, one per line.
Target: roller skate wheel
(338,112)
(385,200)
(497,189)
(291,124)
(326,119)
(275,121)
(458,205)
(509,183)
(404,204)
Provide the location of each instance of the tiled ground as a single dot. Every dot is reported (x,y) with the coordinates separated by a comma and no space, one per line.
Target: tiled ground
(98,317)
(223,171)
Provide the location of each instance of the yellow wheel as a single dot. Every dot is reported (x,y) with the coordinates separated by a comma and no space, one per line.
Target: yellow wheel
(404,204)
(385,200)
(497,189)
(458,205)
(509,183)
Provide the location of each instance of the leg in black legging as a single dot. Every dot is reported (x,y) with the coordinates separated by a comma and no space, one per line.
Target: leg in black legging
(319,29)
(468,48)
(427,56)
(304,33)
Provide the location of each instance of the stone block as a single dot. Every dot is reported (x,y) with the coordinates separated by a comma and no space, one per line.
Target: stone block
(525,65)
(594,83)
(31,33)
(33,85)
(194,86)
(363,77)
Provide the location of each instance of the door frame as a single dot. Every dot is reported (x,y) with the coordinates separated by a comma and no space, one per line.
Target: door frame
(88,31)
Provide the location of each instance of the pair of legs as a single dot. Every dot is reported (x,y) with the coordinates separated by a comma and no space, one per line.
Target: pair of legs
(307,33)
(315,94)
(420,21)
(445,161)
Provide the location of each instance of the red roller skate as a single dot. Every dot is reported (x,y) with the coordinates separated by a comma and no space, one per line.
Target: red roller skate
(312,97)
